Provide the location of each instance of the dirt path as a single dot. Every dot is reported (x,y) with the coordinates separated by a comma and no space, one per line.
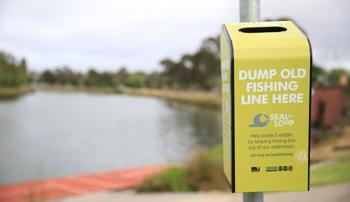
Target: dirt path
(334,193)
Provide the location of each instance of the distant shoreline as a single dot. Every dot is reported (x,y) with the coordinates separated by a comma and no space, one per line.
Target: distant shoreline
(70,88)
(206,99)
(14,92)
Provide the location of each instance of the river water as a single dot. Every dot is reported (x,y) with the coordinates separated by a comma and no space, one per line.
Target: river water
(54,134)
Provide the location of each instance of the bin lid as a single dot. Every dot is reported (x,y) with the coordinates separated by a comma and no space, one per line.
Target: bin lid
(253,39)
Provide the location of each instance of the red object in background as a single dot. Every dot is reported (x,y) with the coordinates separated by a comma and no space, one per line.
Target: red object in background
(327,106)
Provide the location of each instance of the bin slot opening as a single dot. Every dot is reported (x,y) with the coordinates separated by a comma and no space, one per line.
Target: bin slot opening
(262,29)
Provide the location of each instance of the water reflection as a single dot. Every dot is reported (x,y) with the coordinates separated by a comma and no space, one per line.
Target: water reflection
(48,134)
(185,128)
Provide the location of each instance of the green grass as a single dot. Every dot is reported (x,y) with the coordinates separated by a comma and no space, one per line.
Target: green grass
(204,172)
(333,173)
(172,179)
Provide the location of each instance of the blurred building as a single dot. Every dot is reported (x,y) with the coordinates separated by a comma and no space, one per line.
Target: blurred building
(329,104)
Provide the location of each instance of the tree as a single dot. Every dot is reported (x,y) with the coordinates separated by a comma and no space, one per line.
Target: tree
(334,75)
(47,77)
(96,79)
(154,80)
(64,75)
(122,76)
(136,80)
(319,75)
(199,70)
(12,72)
(23,64)
(176,74)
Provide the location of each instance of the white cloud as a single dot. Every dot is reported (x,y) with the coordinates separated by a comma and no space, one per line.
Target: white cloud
(138,34)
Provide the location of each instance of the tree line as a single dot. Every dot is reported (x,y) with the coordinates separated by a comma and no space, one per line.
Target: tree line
(197,71)
(93,78)
(200,70)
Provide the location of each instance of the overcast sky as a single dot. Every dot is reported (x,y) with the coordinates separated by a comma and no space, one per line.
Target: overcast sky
(136,33)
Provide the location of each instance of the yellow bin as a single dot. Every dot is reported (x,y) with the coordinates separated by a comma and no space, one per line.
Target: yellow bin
(266,74)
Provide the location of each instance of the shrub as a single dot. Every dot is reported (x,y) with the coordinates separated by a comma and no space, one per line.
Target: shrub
(136,80)
(203,171)
(171,179)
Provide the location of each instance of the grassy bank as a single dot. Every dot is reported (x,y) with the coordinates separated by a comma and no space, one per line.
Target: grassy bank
(13,92)
(331,173)
(207,99)
(204,172)
(70,88)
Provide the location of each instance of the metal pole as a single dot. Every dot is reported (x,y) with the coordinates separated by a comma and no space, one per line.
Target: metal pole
(249,11)
(253,197)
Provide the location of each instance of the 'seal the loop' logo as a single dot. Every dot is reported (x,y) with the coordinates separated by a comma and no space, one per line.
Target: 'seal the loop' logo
(260,120)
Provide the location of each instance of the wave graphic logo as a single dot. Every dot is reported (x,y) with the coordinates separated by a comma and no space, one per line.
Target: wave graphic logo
(260,120)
